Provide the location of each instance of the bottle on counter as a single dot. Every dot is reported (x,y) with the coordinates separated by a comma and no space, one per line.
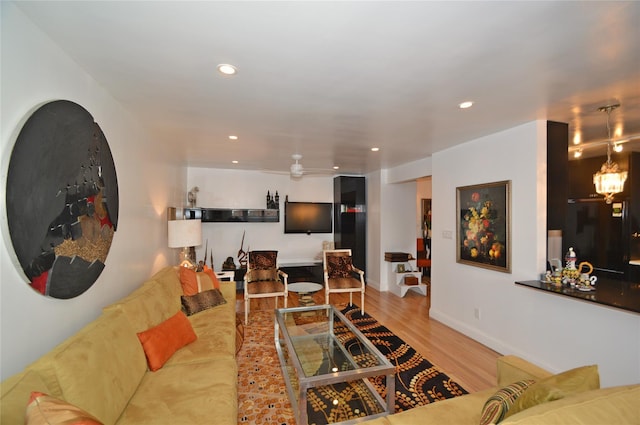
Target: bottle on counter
(570,259)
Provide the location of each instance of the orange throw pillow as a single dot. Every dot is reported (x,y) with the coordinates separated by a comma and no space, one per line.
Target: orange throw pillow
(46,410)
(194,282)
(161,341)
(214,278)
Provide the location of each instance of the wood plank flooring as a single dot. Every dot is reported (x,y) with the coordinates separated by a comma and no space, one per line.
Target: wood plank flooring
(466,361)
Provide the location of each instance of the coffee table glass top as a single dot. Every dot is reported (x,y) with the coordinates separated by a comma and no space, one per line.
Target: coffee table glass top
(318,349)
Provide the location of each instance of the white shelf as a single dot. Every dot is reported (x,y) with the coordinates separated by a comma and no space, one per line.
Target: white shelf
(398,278)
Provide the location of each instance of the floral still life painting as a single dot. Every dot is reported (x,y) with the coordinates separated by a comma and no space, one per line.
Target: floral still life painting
(483,231)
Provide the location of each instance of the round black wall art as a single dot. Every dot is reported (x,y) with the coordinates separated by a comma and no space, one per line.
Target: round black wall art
(62,199)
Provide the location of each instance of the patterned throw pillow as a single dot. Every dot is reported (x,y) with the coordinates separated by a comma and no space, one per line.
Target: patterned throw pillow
(192,304)
(555,387)
(46,410)
(161,341)
(262,260)
(498,405)
(339,266)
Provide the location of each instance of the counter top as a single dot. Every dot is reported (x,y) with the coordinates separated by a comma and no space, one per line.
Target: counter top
(612,293)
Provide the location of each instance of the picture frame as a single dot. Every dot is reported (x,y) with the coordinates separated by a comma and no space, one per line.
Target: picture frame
(483,231)
(426,218)
(401,268)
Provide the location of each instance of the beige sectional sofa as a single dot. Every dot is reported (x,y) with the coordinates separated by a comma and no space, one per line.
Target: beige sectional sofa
(103,370)
(576,404)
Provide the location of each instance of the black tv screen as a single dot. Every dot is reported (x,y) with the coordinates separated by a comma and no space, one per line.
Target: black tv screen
(308,217)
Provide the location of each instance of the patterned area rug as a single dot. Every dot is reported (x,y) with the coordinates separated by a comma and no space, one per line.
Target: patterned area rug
(418,382)
(262,395)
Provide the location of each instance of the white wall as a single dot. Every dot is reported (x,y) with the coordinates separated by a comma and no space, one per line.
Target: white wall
(555,332)
(35,71)
(248,189)
(397,212)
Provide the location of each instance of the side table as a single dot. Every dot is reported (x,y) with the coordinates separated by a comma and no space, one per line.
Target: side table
(305,291)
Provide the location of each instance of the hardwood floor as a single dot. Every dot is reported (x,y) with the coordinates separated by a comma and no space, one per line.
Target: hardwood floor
(466,361)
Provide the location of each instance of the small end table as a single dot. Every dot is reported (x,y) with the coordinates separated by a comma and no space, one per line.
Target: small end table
(305,291)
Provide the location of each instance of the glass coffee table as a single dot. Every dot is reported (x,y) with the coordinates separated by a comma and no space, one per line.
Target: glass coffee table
(328,367)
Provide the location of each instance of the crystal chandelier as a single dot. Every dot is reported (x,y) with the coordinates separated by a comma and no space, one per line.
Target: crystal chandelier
(609,180)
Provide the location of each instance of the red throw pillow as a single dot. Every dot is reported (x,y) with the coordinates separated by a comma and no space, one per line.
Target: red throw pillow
(161,341)
(43,409)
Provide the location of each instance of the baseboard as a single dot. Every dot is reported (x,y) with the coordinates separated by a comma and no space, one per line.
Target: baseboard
(500,346)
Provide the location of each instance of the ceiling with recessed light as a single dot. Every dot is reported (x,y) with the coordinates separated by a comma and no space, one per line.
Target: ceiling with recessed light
(331,80)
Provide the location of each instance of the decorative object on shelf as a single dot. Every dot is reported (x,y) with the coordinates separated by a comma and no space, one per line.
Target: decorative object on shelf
(410,280)
(328,245)
(242,254)
(192,196)
(273,202)
(185,234)
(61,199)
(400,268)
(228,264)
(484,225)
(397,257)
(610,179)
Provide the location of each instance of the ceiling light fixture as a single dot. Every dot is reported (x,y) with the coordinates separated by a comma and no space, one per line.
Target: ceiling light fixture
(335,167)
(234,161)
(609,180)
(617,147)
(465,105)
(375,149)
(577,154)
(227,69)
(232,137)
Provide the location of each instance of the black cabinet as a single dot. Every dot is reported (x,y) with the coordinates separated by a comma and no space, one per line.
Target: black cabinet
(607,237)
(350,217)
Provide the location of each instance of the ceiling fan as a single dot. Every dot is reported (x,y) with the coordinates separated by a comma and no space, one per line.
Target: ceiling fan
(297,170)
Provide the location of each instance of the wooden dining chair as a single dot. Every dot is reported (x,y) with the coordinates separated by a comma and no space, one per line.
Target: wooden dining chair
(340,275)
(263,279)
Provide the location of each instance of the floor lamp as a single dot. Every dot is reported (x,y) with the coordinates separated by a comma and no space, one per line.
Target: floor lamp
(185,234)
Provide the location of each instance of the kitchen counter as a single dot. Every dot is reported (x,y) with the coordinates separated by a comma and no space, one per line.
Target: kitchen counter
(608,292)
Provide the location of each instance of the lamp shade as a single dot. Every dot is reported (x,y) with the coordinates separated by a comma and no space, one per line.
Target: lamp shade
(185,233)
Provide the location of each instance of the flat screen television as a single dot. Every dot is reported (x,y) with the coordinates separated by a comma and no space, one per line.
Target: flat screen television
(308,217)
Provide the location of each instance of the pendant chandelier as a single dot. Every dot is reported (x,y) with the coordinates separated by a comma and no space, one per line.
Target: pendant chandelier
(609,180)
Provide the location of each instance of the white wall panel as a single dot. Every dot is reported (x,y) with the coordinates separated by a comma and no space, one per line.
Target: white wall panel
(35,71)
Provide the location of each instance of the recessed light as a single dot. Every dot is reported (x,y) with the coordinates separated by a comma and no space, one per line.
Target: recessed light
(335,167)
(577,138)
(232,137)
(227,69)
(578,153)
(234,162)
(375,149)
(617,147)
(465,105)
